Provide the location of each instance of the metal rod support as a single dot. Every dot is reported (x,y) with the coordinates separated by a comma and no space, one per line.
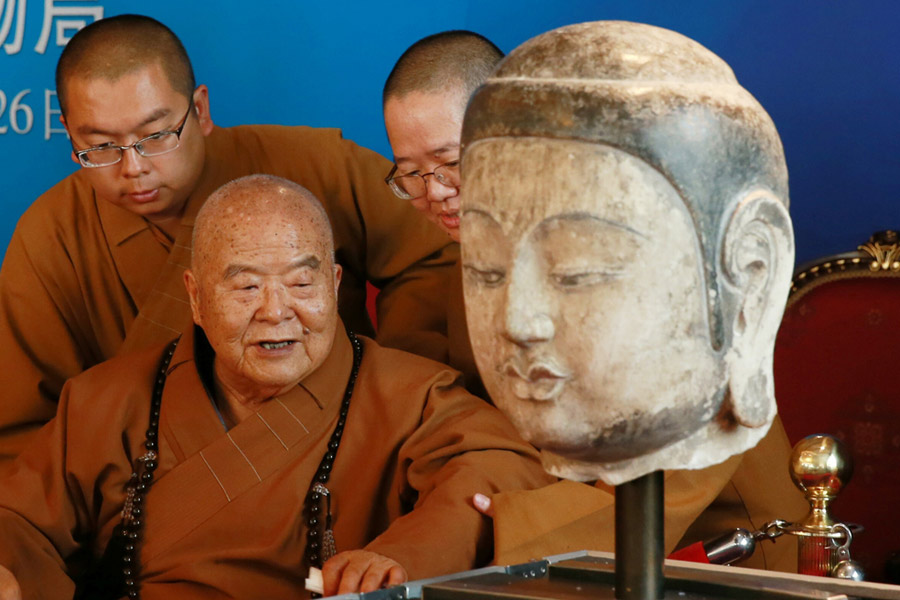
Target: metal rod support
(639,538)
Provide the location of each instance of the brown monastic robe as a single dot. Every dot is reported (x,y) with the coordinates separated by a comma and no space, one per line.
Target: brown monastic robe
(83,279)
(224,516)
(460,355)
(747,490)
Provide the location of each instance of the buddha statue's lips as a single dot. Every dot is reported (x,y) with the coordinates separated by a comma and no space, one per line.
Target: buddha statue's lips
(538,380)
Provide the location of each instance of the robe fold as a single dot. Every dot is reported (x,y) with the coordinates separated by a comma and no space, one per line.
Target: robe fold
(224,515)
(83,280)
(460,354)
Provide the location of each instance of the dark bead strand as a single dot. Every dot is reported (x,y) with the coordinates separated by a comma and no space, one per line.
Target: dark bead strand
(131,525)
(311,506)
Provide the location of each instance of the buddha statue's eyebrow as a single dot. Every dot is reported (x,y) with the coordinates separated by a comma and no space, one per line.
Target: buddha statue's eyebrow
(236,269)
(569,216)
(584,216)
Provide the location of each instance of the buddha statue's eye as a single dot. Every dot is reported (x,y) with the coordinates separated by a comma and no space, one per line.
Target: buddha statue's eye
(582,279)
(485,275)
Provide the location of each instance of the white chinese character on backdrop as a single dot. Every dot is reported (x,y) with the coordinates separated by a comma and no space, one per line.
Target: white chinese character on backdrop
(7,13)
(68,19)
(51,115)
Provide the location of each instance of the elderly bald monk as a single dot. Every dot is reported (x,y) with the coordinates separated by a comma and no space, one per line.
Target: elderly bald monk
(95,265)
(266,435)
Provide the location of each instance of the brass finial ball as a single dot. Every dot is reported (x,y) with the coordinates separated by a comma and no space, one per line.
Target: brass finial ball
(821,464)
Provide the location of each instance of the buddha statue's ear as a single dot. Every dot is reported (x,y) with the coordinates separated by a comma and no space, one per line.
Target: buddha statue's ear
(757,260)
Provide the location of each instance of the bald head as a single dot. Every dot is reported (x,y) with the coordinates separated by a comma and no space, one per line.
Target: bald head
(256,203)
(116,46)
(263,286)
(451,60)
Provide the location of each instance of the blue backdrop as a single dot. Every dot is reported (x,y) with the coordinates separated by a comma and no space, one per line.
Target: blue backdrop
(827,72)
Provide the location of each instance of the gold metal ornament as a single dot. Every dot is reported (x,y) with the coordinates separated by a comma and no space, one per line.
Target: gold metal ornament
(821,466)
(885,250)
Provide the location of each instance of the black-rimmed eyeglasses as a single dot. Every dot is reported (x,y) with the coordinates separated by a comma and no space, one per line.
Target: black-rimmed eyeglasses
(152,145)
(414,185)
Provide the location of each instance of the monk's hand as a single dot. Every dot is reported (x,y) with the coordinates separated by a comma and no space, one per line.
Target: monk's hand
(360,571)
(9,586)
(483,505)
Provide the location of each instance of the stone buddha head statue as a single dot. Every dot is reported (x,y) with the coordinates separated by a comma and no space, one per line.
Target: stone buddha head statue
(627,250)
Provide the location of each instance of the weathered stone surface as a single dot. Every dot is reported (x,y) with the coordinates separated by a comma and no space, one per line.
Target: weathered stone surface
(627,250)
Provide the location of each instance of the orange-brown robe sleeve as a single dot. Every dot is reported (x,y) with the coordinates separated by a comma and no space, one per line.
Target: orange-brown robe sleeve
(54,509)
(39,518)
(63,304)
(463,446)
(436,457)
(745,491)
(82,278)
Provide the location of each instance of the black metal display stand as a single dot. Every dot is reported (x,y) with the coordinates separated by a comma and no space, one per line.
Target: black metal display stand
(639,538)
(639,571)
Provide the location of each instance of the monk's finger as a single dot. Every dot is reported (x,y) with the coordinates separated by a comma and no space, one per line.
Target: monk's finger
(9,586)
(483,505)
(376,575)
(352,575)
(382,572)
(356,571)
(397,575)
(332,572)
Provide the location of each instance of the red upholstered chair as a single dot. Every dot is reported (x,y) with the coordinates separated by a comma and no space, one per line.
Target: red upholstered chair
(371,295)
(837,371)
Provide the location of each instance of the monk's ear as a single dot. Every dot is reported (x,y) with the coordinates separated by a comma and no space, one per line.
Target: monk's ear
(200,99)
(193,290)
(62,119)
(758,260)
(338,271)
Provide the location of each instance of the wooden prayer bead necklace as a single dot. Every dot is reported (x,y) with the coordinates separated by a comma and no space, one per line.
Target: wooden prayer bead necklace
(317,551)
(320,550)
(141,478)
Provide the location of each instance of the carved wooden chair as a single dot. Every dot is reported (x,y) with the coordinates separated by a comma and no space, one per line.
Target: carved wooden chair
(837,371)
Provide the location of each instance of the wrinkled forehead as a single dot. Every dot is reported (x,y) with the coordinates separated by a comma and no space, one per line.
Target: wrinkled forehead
(248,232)
(528,182)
